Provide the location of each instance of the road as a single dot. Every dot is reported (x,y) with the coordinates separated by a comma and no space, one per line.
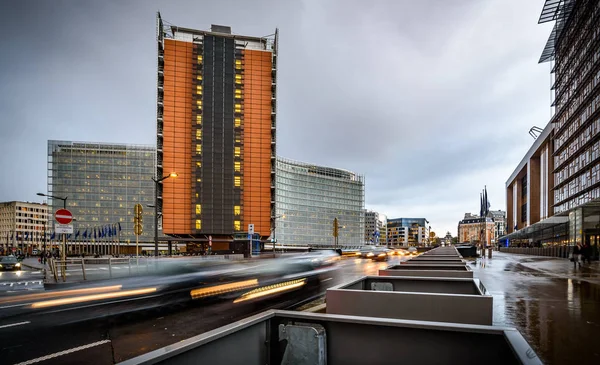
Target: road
(109,341)
(23,280)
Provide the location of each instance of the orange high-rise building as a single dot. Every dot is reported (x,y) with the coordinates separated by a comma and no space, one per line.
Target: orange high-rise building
(216,130)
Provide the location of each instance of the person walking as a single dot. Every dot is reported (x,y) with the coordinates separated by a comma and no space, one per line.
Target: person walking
(576,256)
(586,252)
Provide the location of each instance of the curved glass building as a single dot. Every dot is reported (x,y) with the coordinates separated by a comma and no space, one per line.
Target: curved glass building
(309,197)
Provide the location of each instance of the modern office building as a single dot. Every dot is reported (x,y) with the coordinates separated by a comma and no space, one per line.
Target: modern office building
(23,226)
(553,196)
(407,231)
(102,182)
(474,229)
(310,197)
(216,119)
(375,225)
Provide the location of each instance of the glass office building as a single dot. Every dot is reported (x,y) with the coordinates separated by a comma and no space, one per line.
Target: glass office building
(102,183)
(310,197)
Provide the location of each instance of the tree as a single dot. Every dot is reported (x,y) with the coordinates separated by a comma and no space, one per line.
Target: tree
(454,240)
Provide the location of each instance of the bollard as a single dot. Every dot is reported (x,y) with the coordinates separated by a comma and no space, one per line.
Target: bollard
(110,267)
(129,262)
(83,268)
(490,253)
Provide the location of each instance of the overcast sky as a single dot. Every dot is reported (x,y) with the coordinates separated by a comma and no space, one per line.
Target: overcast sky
(430,100)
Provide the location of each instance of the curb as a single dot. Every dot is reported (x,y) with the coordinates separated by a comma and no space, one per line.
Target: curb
(33,267)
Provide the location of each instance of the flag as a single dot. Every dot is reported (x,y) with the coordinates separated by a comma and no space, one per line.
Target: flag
(94,232)
(119,226)
(109,231)
(114,229)
(85,233)
(486,206)
(77,234)
(52,236)
(69,236)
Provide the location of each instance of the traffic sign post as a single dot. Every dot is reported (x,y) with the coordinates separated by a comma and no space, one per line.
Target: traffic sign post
(138,228)
(63,217)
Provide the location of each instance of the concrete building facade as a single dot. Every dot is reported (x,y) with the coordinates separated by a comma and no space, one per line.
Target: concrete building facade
(407,231)
(23,226)
(474,229)
(375,227)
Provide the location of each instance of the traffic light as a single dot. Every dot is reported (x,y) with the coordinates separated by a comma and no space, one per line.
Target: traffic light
(138,219)
(335,227)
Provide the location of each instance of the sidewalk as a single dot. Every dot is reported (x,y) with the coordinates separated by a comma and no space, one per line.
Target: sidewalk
(33,263)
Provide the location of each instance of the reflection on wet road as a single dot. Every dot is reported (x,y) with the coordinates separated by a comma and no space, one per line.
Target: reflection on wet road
(556,308)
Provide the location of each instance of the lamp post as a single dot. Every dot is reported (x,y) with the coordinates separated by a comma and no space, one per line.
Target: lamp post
(63,253)
(156,185)
(275,228)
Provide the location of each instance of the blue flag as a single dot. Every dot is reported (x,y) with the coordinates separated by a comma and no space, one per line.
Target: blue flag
(94,232)
(85,233)
(109,231)
(119,226)
(52,236)
(69,236)
(77,234)
(114,230)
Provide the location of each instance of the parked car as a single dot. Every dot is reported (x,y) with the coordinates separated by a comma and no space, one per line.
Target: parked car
(9,263)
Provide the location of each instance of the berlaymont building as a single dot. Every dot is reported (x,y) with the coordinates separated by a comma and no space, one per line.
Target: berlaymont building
(308,199)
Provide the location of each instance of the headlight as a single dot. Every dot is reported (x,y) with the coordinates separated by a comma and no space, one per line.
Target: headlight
(18,264)
(0,265)
(370,254)
(381,255)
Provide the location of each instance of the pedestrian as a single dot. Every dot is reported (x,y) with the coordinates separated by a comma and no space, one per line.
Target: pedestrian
(576,255)
(586,252)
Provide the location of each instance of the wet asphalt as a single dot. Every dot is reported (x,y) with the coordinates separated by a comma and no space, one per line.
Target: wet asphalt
(555,306)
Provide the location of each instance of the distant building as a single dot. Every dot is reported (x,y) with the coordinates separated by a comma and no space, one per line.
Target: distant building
(103,182)
(472,227)
(309,197)
(407,231)
(23,226)
(375,224)
(499,217)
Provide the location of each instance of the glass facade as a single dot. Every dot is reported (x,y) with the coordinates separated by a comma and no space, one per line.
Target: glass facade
(407,231)
(102,183)
(310,197)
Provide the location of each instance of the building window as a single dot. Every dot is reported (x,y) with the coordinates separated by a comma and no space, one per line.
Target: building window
(199,103)
(237,151)
(199,58)
(198,224)
(237,225)
(524,212)
(198,149)
(237,180)
(198,133)
(237,166)
(199,77)
(238,122)
(237,210)
(524,186)
(198,209)
(198,164)
(199,119)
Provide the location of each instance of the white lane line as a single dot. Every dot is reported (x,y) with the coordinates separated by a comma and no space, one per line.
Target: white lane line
(15,324)
(324,280)
(65,352)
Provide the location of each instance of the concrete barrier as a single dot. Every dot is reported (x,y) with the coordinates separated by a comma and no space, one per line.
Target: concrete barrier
(455,300)
(457,271)
(282,337)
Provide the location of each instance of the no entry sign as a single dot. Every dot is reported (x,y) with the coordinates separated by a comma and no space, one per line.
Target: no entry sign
(63,216)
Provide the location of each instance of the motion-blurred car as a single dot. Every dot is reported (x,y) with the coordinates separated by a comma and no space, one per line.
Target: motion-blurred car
(9,263)
(375,253)
(412,251)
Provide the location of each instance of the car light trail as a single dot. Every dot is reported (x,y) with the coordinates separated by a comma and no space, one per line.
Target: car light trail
(271,289)
(223,288)
(62,293)
(89,298)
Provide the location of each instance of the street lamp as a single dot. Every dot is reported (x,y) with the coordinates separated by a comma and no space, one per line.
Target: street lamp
(56,197)
(156,184)
(275,228)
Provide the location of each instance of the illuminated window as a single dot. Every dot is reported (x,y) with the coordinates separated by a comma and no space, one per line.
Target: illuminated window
(196,195)
(199,58)
(198,224)
(237,210)
(198,180)
(237,151)
(238,77)
(238,91)
(238,96)
(237,225)
(199,119)
(238,122)
(237,180)
(238,106)
(238,62)
(198,164)
(198,133)
(198,209)
(239,82)
(238,139)
(199,102)
(199,77)
(198,149)
(237,166)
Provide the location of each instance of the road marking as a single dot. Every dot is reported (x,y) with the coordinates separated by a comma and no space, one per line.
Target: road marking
(65,352)
(324,280)
(15,324)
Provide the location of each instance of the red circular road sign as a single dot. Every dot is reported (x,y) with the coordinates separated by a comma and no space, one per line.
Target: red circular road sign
(63,216)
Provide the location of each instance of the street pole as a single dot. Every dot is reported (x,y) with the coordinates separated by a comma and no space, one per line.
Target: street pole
(156,217)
